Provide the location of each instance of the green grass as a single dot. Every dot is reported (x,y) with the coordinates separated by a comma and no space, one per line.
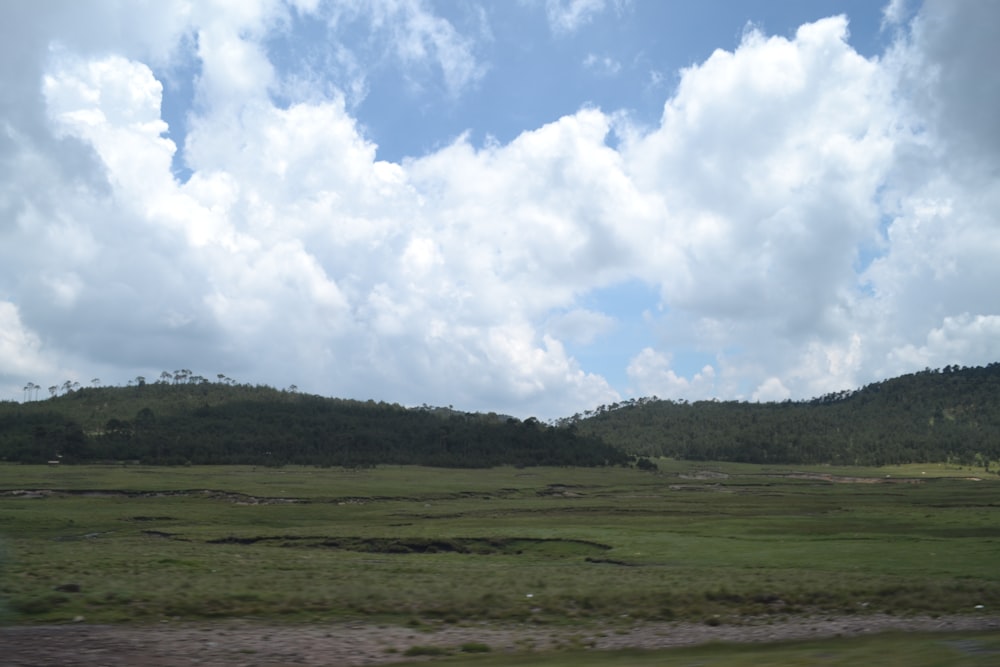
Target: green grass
(549,545)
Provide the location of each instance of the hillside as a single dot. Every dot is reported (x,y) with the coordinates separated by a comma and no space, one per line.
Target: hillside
(222,423)
(947,415)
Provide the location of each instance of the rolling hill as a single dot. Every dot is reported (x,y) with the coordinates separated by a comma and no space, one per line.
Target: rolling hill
(946,415)
(220,423)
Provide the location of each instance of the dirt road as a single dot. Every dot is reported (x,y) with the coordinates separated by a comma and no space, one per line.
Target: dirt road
(253,644)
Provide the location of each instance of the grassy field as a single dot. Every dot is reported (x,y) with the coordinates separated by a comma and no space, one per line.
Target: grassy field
(712,543)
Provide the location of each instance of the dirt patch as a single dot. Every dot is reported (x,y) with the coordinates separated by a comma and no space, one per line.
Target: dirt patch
(416,545)
(846,479)
(229,496)
(561,490)
(163,534)
(715,488)
(704,474)
(251,644)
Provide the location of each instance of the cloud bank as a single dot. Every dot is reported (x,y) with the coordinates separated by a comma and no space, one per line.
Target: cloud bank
(811,219)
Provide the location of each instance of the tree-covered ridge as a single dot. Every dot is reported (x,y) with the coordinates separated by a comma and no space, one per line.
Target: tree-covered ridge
(202,422)
(952,414)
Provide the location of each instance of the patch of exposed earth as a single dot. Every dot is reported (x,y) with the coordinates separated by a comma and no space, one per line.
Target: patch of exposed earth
(258,644)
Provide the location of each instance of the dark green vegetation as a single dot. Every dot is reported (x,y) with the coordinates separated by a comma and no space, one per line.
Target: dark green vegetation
(218,423)
(537,545)
(951,415)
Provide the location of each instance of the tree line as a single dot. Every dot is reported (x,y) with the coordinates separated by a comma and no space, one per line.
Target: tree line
(946,415)
(221,423)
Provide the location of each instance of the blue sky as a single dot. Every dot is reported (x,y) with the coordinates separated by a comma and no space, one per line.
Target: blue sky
(625,57)
(533,207)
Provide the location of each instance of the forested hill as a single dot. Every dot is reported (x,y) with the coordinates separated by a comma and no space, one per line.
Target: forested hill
(952,414)
(218,423)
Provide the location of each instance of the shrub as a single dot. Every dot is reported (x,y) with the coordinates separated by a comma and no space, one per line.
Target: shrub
(474,647)
(645,464)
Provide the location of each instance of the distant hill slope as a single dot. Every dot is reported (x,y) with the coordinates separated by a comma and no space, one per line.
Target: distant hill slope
(217,423)
(951,414)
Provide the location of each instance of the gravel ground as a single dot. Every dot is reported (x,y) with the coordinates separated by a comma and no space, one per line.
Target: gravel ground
(253,644)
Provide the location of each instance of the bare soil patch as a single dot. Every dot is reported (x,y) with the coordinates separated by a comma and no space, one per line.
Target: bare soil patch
(260,644)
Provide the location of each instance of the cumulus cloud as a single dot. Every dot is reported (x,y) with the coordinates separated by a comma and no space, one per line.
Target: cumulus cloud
(650,374)
(941,235)
(824,212)
(767,159)
(290,230)
(771,389)
(973,339)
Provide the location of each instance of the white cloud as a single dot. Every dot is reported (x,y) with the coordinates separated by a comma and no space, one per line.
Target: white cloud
(414,36)
(289,229)
(933,281)
(770,390)
(114,104)
(21,353)
(602,65)
(427,36)
(895,12)
(580,325)
(567,16)
(964,339)
(768,163)
(767,159)
(824,367)
(650,374)
(551,209)
(814,220)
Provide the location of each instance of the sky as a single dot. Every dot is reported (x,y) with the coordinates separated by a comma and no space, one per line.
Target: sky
(532,207)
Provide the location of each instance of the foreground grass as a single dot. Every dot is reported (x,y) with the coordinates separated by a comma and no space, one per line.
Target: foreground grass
(891,650)
(532,545)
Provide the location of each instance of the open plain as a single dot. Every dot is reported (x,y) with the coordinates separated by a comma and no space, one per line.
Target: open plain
(234,565)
